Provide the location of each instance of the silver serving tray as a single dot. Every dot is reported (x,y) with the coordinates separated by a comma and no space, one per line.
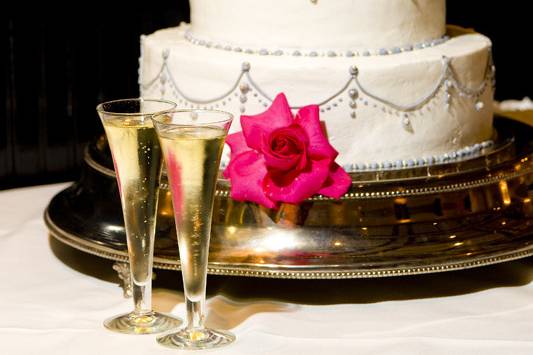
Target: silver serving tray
(445,217)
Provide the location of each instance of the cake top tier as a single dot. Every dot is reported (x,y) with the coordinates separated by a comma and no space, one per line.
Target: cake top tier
(318,24)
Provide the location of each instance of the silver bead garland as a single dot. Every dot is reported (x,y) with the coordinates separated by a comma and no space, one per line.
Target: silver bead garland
(356,92)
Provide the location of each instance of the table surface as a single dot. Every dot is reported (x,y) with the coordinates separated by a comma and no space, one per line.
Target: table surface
(53,300)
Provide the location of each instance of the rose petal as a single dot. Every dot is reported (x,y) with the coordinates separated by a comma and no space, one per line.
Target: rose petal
(304,185)
(283,164)
(288,155)
(247,172)
(258,126)
(237,144)
(319,146)
(337,183)
(174,174)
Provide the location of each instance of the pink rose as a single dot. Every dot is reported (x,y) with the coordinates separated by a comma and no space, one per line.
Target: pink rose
(281,158)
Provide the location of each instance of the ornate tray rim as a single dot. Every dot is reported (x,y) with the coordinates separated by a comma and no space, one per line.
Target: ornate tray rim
(284,271)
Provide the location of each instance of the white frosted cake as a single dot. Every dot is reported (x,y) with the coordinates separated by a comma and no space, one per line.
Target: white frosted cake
(395,86)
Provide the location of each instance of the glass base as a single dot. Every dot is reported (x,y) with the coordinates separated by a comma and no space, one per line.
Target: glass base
(196,339)
(150,323)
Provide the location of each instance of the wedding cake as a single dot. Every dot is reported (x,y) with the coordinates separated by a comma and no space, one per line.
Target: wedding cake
(396,87)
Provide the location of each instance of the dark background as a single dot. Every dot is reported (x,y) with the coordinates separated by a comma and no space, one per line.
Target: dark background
(57,62)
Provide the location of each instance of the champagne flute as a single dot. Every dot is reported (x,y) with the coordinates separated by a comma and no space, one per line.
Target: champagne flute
(192,142)
(137,160)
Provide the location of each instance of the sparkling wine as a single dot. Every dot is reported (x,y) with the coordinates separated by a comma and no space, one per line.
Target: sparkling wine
(192,156)
(137,159)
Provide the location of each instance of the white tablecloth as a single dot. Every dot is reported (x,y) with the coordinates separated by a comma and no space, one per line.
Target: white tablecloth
(53,300)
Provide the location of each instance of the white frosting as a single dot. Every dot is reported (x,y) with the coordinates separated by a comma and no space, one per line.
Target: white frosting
(376,133)
(332,24)
(526,104)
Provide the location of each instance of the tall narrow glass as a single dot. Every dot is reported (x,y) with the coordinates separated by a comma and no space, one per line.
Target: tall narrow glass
(192,142)
(137,159)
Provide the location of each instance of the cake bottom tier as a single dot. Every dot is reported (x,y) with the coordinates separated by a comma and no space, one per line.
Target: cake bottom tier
(382,111)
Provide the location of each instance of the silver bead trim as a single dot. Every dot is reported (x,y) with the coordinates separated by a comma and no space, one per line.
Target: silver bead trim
(352,90)
(464,153)
(366,195)
(315,53)
(415,191)
(425,190)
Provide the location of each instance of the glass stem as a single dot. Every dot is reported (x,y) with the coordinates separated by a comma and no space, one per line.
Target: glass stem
(195,314)
(142,297)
